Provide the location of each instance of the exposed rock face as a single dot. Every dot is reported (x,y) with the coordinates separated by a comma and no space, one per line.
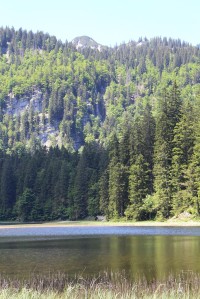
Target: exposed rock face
(82,42)
(30,112)
(47,133)
(16,106)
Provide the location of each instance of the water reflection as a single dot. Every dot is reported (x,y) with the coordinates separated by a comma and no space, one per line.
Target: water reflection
(153,256)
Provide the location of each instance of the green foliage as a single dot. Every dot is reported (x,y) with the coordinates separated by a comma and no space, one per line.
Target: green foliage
(117,190)
(138,187)
(25,205)
(121,126)
(169,113)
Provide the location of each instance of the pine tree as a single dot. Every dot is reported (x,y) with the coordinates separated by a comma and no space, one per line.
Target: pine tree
(138,187)
(193,175)
(183,144)
(141,158)
(7,189)
(80,196)
(103,193)
(25,205)
(117,189)
(169,113)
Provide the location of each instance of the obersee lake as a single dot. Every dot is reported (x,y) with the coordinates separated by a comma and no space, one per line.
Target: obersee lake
(153,252)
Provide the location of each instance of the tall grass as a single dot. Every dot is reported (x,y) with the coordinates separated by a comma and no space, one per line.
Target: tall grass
(105,286)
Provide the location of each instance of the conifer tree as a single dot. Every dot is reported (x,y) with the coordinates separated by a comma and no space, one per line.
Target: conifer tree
(141,158)
(7,189)
(117,189)
(80,189)
(138,187)
(103,193)
(169,113)
(183,145)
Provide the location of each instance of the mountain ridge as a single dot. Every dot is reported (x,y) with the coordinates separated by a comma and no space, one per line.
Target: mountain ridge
(85,41)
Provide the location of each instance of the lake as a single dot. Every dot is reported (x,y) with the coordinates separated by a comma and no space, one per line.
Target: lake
(151,251)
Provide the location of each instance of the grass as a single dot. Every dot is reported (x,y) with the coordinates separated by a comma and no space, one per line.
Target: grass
(105,286)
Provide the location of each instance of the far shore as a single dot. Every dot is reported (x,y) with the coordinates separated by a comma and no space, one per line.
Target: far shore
(82,223)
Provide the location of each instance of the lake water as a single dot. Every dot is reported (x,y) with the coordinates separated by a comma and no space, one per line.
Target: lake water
(151,251)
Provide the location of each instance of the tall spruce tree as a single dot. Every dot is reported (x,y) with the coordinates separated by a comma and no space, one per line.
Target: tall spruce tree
(117,189)
(138,188)
(141,158)
(169,113)
(117,182)
(183,145)
(7,190)
(80,196)
(193,174)
(104,193)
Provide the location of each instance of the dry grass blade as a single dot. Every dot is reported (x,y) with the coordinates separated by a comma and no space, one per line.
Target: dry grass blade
(104,286)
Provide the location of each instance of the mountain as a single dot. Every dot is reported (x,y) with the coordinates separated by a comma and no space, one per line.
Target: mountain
(85,132)
(53,94)
(82,42)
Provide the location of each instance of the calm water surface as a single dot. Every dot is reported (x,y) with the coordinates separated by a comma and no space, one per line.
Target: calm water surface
(151,251)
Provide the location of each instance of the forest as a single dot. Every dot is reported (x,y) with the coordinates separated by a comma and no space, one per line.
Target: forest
(87,132)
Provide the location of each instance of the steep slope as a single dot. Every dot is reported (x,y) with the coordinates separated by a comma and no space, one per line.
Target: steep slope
(57,95)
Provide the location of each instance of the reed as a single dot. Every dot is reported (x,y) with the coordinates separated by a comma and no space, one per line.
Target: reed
(105,286)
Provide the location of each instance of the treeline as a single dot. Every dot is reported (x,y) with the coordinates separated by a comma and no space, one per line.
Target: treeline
(150,170)
(51,184)
(17,41)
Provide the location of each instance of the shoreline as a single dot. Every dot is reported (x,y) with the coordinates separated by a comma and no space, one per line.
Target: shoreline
(168,223)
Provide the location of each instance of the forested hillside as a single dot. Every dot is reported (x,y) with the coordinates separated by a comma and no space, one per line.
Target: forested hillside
(93,130)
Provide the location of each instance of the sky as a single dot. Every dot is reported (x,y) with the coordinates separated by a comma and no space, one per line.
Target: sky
(109,22)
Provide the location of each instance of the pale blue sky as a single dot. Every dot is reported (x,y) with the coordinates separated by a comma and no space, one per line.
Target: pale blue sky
(109,22)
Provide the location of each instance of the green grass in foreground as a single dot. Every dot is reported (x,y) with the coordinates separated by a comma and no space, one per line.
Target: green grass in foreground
(105,286)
